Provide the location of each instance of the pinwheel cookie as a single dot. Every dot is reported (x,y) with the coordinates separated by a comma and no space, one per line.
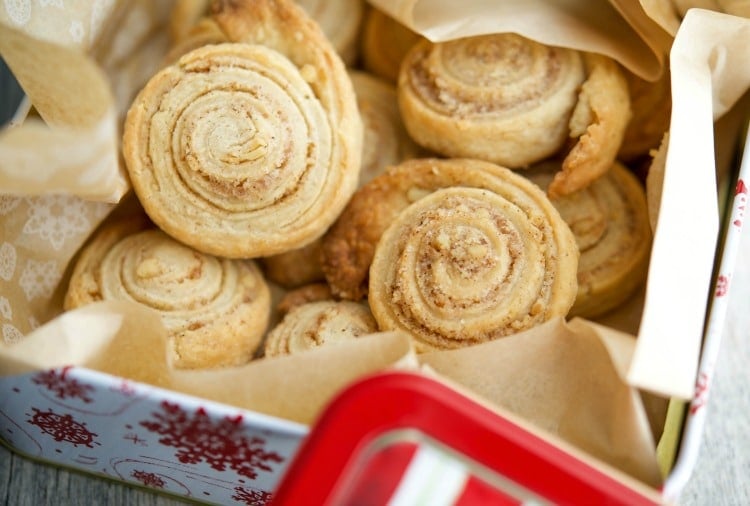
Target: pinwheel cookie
(318,323)
(252,147)
(457,252)
(513,101)
(385,143)
(610,222)
(215,310)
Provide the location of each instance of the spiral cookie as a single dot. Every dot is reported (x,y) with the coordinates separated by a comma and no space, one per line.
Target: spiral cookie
(385,143)
(510,100)
(243,149)
(466,265)
(609,220)
(599,121)
(313,292)
(501,98)
(348,247)
(314,324)
(215,310)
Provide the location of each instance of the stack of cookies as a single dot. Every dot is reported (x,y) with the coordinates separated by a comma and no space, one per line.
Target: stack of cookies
(459,191)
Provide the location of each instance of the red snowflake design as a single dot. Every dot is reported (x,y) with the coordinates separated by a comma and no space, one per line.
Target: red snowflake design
(148,479)
(740,190)
(251,497)
(722,286)
(221,443)
(701,393)
(126,389)
(63,428)
(63,387)
(132,436)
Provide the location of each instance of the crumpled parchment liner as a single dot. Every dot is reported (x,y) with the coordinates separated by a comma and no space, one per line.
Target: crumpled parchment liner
(619,29)
(73,148)
(565,378)
(60,170)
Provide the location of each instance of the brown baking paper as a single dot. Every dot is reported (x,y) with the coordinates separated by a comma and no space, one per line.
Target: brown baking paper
(669,13)
(298,387)
(120,338)
(569,380)
(73,148)
(619,29)
(80,73)
(60,171)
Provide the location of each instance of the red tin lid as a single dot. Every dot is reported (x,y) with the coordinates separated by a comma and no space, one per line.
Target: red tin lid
(403,439)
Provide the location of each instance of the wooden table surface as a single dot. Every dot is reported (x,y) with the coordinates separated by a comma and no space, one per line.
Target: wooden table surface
(721,477)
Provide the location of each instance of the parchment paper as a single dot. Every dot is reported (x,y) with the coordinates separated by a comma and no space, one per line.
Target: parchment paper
(568,379)
(588,25)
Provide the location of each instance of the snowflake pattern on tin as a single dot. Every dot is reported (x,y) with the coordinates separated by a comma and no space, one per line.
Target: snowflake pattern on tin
(221,444)
(152,480)
(63,428)
(39,279)
(63,387)
(7,261)
(251,497)
(740,192)
(56,218)
(701,393)
(722,286)
(133,438)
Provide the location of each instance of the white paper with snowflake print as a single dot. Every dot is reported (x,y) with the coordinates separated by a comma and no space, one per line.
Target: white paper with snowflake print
(39,237)
(60,172)
(72,147)
(80,63)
